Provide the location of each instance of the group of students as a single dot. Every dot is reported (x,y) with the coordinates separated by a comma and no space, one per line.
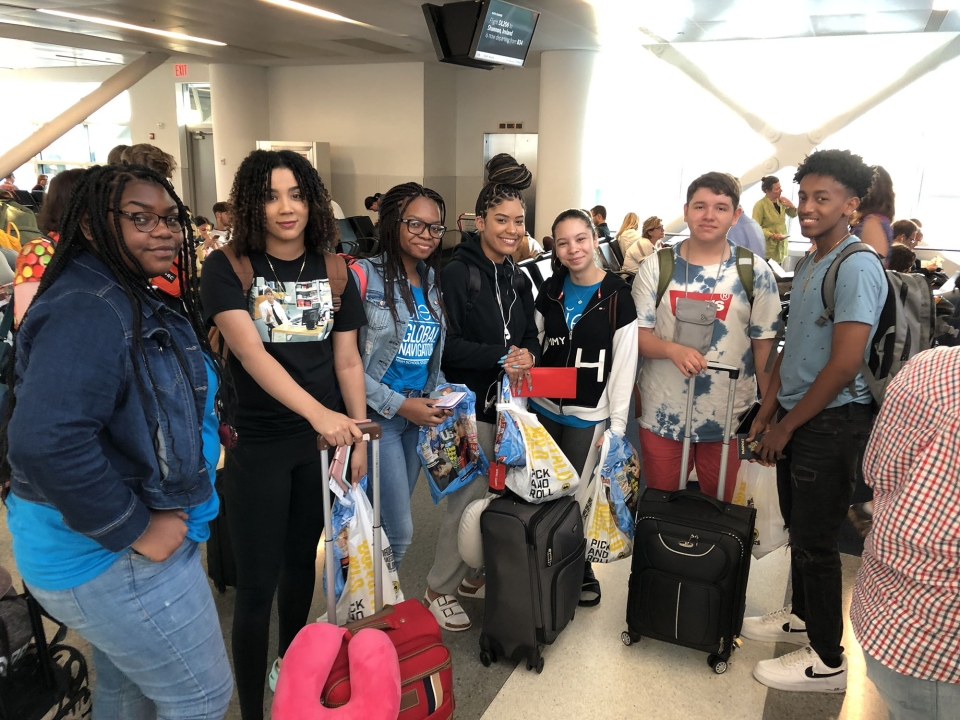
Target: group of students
(111,455)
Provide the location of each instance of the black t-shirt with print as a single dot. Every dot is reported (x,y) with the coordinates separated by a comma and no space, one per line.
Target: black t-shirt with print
(302,345)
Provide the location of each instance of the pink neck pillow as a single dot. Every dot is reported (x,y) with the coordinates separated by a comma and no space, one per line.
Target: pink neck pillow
(374,675)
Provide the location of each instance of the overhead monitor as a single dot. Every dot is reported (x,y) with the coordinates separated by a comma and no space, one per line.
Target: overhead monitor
(504,33)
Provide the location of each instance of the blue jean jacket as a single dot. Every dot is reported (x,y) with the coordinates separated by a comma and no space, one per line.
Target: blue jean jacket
(381,337)
(87,434)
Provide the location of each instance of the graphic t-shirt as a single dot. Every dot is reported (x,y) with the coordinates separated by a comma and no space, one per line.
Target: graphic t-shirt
(663,388)
(575,299)
(302,345)
(408,371)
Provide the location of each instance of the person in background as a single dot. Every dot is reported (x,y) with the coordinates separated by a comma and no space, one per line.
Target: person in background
(287,394)
(816,419)
(526,249)
(748,233)
(628,233)
(872,222)
(111,463)
(372,203)
(493,329)
(599,215)
(905,610)
(403,343)
(115,156)
(41,185)
(906,232)
(605,347)
(901,258)
(223,222)
(771,212)
(644,247)
(919,229)
(35,256)
(205,242)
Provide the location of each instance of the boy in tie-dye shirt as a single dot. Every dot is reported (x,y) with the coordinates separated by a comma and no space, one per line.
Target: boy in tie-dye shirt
(704,268)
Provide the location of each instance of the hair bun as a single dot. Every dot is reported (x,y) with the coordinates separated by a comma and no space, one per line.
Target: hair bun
(503,169)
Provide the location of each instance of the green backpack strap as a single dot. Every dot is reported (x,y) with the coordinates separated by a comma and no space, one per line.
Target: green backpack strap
(745,270)
(665,258)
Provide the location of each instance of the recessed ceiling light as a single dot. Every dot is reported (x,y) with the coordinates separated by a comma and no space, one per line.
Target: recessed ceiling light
(128,26)
(311,10)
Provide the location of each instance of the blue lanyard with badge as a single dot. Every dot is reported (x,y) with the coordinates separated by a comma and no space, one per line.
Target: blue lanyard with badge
(695,318)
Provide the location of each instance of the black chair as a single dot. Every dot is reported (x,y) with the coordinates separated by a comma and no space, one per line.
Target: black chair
(609,258)
(617,251)
(365,233)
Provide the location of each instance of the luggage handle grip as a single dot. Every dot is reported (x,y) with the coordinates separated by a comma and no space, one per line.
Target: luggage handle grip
(733,372)
(371,431)
(676,494)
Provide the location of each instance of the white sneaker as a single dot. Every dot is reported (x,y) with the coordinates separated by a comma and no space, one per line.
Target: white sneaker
(802,671)
(779,626)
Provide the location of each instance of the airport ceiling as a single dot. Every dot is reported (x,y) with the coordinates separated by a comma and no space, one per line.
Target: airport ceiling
(262,33)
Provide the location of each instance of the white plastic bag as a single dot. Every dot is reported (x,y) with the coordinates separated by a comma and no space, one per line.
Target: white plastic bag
(757,487)
(547,473)
(357,599)
(606,542)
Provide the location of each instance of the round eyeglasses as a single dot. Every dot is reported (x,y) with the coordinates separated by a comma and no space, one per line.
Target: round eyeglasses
(147,221)
(416,227)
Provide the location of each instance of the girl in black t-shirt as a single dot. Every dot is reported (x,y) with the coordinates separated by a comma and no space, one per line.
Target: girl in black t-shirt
(293,382)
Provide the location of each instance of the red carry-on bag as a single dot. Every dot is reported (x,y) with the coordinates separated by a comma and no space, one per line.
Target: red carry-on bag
(426,672)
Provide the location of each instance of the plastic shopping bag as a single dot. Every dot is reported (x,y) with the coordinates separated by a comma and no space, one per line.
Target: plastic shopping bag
(607,522)
(508,446)
(353,550)
(757,487)
(450,454)
(547,473)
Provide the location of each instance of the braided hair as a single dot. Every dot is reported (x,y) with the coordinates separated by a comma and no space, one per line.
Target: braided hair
(251,188)
(393,204)
(97,194)
(506,180)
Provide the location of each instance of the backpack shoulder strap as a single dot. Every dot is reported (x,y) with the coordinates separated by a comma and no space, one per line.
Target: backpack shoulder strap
(337,275)
(829,288)
(665,258)
(241,266)
(359,274)
(745,270)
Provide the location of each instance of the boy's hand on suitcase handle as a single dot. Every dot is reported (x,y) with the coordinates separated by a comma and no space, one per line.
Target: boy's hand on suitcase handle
(687,360)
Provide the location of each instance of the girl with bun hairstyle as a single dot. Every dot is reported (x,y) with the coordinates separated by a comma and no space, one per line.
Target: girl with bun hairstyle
(490,322)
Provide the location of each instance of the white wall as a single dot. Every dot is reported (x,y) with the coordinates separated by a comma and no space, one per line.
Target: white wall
(440,135)
(485,98)
(238,104)
(372,116)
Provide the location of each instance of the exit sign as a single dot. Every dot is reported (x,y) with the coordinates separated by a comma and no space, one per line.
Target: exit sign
(180,70)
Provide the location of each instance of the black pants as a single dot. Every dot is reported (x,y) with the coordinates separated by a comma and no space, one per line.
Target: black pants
(573,441)
(823,461)
(275,512)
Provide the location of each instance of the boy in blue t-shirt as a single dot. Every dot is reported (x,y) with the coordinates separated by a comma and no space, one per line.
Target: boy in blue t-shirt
(824,413)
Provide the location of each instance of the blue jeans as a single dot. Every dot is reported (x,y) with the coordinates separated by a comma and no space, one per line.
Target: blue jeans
(910,698)
(399,469)
(157,646)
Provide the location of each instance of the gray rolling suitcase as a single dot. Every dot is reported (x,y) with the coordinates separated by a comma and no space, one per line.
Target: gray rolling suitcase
(534,560)
(691,559)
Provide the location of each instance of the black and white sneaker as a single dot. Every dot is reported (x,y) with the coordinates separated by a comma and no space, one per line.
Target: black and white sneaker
(802,671)
(779,626)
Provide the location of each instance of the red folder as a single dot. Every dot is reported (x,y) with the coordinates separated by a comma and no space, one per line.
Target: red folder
(550,383)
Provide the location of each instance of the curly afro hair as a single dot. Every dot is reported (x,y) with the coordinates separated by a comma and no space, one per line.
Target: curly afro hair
(842,165)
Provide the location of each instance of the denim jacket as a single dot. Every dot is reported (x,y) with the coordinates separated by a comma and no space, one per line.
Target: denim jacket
(381,338)
(87,434)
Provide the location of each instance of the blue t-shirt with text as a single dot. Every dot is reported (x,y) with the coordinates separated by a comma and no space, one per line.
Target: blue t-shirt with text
(409,368)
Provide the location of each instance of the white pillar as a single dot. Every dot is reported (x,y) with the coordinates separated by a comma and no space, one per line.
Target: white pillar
(238,98)
(565,78)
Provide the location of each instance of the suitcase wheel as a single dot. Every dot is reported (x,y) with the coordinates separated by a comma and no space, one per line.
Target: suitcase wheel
(535,663)
(486,658)
(628,638)
(718,664)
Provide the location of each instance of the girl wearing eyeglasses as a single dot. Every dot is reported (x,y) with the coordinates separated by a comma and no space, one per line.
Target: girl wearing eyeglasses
(300,378)
(402,344)
(111,454)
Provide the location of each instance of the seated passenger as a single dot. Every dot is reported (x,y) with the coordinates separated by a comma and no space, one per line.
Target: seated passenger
(629,232)
(901,258)
(111,456)
(705,273)
(644,247)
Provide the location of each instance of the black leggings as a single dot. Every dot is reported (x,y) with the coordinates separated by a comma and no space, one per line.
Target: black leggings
(275,514)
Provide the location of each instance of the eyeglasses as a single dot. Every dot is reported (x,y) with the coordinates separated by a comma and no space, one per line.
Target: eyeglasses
(147,221)
(416,227)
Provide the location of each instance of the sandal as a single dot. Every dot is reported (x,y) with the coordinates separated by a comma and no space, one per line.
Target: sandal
(448,613)
(468,590)
(590,590)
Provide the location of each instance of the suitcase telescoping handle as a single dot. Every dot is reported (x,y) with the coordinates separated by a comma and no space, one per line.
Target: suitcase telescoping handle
(734,374)
(371,432)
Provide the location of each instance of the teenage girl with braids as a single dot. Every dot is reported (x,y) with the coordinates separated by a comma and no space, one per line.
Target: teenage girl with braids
(292,384)
(587,320)
(402,344)
(111,455)
(489,324)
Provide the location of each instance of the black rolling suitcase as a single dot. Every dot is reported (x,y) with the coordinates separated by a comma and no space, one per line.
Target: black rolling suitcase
(221,561)
(691,560)
(534,559)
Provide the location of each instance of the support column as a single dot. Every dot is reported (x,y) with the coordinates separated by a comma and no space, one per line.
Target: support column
(239,102)
(565,79)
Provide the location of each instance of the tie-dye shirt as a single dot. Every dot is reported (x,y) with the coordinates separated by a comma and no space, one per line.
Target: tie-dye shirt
(663,388)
